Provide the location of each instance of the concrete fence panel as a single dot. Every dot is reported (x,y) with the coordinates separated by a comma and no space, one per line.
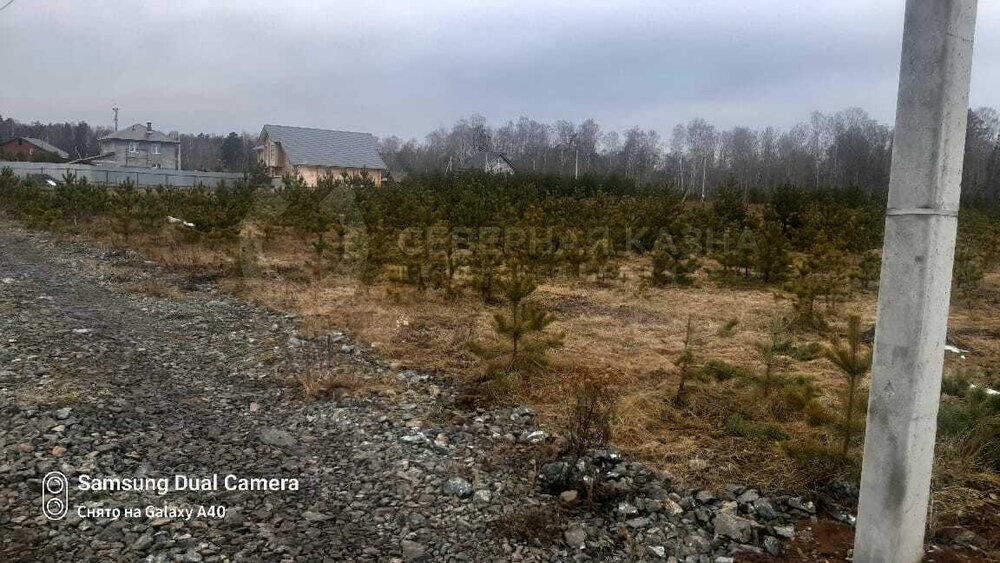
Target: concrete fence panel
(142,177)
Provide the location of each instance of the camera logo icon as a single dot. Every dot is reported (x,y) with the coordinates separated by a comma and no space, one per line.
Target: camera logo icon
(55,495)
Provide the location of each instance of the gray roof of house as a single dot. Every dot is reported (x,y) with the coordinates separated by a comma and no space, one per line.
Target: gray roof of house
(324,147)
(47,147)
(138,132)
(479,159)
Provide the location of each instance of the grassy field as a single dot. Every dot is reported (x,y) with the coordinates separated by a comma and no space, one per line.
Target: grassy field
(628,335)
(750,328)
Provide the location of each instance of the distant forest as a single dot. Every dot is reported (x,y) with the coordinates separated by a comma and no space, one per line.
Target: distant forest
(844,149)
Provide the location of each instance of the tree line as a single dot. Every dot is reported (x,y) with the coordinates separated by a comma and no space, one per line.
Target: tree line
(842,149)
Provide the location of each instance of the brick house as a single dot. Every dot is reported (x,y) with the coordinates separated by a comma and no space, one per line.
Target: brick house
(142,147)
(316,153)
(29,148)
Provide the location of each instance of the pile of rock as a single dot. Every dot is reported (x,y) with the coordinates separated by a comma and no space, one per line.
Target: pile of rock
(610,497)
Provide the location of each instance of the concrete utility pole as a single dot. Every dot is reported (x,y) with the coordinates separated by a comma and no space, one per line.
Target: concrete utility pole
(915,289)
(704,160)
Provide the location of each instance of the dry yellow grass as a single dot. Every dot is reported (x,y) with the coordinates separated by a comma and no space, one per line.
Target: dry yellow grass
(622,333)
(319,384)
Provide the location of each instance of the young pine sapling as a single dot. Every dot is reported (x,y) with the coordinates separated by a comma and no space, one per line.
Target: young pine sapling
(854,360)
(771,350)
(522,327)
(686,364)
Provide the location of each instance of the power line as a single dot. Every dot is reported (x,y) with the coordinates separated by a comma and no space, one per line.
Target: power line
(7,4)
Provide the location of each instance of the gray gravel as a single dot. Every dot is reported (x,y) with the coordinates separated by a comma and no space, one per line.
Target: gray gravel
(98,381)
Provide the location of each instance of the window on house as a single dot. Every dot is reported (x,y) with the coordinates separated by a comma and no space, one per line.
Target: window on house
(133,147)
(155,148)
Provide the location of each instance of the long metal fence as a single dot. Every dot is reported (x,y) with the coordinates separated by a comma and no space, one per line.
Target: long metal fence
(143,177)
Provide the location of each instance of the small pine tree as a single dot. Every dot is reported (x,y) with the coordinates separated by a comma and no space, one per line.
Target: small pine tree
(444,256)
(266,213)
(125,209)
(574,254)
(602,262)
(771,258)
(823,275)
(788,203)
(484,272)
(854,361)
(730,262)
(736,261)
(729,205)
(967,272)
(686,364)
(522,327)
(869,269)
(672,263)
(771,350)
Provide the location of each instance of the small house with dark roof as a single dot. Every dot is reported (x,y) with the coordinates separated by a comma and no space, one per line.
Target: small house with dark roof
(141,146)
(316,153)
(491,162)
(30,148)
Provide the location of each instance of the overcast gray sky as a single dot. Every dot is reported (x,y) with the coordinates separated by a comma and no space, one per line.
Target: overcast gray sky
(406,67)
